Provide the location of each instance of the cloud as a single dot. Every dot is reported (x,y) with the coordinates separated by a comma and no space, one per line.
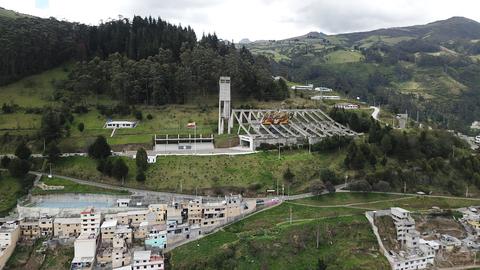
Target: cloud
(258,19)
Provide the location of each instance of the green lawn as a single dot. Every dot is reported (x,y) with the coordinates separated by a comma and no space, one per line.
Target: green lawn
(267,240)
(255,172)
(341,56)
(10,191)
(33,91)
(72,187)
(347,198)
(424,203)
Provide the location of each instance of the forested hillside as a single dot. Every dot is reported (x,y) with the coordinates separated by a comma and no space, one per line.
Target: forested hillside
(143,60)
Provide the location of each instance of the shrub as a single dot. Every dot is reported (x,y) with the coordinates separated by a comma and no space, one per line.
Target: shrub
(149,116)
(81,127)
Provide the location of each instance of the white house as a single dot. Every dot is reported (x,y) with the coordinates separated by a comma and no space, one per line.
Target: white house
(120,124)
(85,248)
(347,106)
(147,260)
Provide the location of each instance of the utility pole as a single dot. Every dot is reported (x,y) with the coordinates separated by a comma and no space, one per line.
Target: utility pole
(283,190)
(404,187)
(277,187)
(466,192)
(290,215)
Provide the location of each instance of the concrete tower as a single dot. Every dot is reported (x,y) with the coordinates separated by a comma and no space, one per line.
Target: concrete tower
(223,103)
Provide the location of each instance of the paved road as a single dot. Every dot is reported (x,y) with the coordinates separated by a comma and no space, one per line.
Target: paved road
(376,111)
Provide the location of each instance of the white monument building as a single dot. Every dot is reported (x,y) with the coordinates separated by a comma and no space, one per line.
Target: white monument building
(223,103)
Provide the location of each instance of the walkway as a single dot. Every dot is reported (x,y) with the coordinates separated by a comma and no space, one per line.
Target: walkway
(376,111)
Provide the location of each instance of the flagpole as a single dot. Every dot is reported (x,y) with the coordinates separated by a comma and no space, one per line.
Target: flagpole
(195,139)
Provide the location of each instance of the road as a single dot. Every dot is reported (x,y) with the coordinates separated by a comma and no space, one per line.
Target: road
(171,195)
(376,111)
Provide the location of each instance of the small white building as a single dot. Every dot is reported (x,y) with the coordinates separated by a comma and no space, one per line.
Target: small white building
(120,124)
(325,97)
(323,89)
(123,202)
(147,260)
(303,87)
(347,106)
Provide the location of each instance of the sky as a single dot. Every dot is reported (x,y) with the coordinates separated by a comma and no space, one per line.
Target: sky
(257,19)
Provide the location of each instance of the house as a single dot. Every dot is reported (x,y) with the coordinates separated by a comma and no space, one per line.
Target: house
(302,87)
(347,106)
(132,218)
(123,202)
(156,238)
(85,249)
(9,235)
(120,124)
(66,227)
(160,211)
(29,229)
(108,230)
(147,260)
(90,221)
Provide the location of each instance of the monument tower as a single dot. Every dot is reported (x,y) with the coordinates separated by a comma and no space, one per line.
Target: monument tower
(223,103)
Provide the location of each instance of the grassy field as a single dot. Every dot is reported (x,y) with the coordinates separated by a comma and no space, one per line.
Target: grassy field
(341,56)
(255,172)
(72,187)
(268,240)
(10,191)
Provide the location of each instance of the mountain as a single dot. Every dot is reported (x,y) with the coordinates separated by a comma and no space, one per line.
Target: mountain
(244,41)
(432,69)
(450,29)
(10,14)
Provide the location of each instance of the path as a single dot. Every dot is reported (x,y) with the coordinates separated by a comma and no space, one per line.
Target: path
(376,111)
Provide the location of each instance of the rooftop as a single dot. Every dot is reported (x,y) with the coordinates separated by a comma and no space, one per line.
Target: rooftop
(109,223)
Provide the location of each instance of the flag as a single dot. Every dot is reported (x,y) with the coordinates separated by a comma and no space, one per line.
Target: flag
(192,125)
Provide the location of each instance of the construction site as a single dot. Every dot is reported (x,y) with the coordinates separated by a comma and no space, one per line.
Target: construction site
(439,239)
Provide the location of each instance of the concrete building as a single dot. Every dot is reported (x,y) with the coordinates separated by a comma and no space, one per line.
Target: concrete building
(108,229)
(157,237)
(284,127)
(91,220)
(9,236)
(302,87)
(160,211)
(147,260)
(85,250)
(29,229)
(224,103)
(347,106)
(404,223)
(134,218)
(120,124)
(67,227)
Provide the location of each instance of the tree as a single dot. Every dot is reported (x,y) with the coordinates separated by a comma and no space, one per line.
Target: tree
(5,161)
(52,152)
(321,265)
(141,176)
(141,159)
(330,187)
(81,127)
(99,149)
(18,168)
(327,175)
(386,144)
(288,176)
(138,115)
(51,125)
(316,187)
(22,151)
(120,169)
